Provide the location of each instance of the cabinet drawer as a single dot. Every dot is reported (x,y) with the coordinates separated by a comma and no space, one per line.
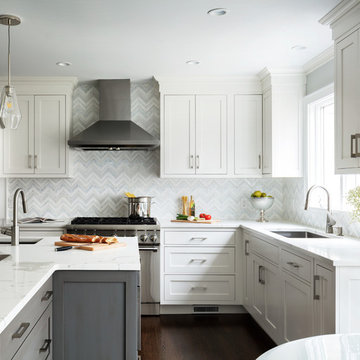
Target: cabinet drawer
(199,288)
(199,238)
(39,343)
(18,330)
(295,264)
(265,249)
(199,260)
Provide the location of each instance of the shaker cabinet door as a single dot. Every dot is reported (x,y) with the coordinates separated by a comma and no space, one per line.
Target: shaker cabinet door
(211,135)
(50,134)
(19,143)
(347,92)
(179,135)
(248,134)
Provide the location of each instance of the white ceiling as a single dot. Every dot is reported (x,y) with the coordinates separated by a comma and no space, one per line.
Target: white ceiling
(142,38)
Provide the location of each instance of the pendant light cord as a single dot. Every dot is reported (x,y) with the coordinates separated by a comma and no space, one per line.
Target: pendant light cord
(9,24)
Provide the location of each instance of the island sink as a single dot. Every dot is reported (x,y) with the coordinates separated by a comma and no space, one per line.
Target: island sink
(298,234)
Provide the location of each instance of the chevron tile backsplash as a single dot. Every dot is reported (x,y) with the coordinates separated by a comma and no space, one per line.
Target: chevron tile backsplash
(101,178)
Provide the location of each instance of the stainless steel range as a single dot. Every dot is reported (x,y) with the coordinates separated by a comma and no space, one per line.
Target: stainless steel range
(148,232)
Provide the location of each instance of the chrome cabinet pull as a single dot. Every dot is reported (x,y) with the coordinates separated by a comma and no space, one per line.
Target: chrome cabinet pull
(197,161)
(198,260)
(247,242)
(35,161)
(46,346)
(294,264)
(191,161)
(316,280)
(30,161)
(199,288)
(154,249)
(259,161)
(198,238)
(21,330)
(354,154)
(47,296)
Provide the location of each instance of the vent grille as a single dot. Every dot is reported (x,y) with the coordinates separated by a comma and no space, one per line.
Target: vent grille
(206,309)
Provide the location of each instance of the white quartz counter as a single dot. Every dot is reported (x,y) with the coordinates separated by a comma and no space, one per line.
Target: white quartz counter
(166,223)
(29,266)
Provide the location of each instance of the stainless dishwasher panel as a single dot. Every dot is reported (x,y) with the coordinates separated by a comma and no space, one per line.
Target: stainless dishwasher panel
(150,279)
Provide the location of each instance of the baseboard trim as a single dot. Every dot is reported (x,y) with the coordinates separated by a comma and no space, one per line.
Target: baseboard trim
(189,309)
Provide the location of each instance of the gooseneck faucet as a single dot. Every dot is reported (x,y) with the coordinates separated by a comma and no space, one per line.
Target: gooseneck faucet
(330,221)
(15,230)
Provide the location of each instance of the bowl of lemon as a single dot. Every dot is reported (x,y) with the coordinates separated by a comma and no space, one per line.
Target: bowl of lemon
(261,201)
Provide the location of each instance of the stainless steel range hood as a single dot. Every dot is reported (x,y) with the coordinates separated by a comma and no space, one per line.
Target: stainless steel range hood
(114,130)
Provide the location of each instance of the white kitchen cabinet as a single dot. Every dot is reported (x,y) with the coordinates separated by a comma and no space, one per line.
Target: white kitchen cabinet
(211,134)
(38,148)
(282,123)
(298,308)
(324,300)
(247,134)
(347,92)
(200,266)
(179,139)
(344,21)
(195,129)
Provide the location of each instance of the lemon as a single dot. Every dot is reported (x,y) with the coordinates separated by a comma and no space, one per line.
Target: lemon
(257,193)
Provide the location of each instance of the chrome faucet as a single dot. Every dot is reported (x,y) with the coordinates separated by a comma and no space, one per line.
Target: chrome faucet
(330,221)
(15,230)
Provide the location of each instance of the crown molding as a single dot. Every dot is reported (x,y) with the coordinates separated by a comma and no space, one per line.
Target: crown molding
(319,60)
(338,11)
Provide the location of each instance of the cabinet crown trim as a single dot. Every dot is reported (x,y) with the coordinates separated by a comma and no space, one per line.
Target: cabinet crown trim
(338,12)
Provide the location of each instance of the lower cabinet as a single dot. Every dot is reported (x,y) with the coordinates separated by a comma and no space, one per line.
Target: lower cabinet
(96,315)
(29,335)
(298,309)
(289,293)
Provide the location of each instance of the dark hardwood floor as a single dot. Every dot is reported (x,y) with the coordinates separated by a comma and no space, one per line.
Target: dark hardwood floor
(202,337)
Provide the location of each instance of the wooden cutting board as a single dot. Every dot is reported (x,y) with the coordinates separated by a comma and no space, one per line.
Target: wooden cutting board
(197,222)
(90,246)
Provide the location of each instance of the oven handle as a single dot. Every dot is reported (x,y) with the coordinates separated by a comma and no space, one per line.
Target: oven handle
(154,249)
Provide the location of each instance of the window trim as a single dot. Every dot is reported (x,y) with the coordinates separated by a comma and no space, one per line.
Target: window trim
(308,99)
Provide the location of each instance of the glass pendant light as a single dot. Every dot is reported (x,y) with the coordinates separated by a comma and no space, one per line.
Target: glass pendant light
(10,114)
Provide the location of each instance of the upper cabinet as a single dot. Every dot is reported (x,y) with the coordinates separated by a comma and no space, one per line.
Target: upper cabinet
(38,147)
(344,20)
(211,128)
(283,93)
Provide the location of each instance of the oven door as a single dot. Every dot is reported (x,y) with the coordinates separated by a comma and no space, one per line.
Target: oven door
(150,279)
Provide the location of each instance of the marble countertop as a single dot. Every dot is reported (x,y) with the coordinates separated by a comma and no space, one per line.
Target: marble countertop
(29,266)
(166,223)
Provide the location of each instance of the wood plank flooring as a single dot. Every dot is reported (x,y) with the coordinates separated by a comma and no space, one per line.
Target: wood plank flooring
(202,337)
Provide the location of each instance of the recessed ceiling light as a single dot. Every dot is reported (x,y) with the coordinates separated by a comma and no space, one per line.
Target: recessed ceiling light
(218,12)
(298,47)
(63,63)
(193,62)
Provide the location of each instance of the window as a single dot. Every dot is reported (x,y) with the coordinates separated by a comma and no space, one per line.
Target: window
(320,156)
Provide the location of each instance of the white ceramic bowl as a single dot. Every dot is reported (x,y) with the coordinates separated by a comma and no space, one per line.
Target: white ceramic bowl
(262,203)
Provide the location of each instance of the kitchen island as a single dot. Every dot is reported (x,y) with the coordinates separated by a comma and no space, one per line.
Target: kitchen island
(95,278)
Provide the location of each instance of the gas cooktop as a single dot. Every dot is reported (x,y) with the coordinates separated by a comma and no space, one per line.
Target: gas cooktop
(113,221)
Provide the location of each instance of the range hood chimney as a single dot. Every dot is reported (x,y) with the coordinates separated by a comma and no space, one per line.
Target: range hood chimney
(114,130)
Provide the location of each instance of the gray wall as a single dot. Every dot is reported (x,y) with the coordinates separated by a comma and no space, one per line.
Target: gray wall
(321,77)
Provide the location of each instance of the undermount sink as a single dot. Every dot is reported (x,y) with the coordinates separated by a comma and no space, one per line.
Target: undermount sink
(298,234)
(23,241)
(3,256)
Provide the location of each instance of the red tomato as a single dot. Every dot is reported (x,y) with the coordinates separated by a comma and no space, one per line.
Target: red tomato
(207,217)
(202,215)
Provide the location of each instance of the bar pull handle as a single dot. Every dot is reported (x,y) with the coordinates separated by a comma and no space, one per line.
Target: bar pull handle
(46,346)
(316,281)
(354,154)
(261,272)
(197,161)
(35,161)
(21,330)
(30,161)
(198,260)
(47,296)
(259,161)
(191,161)
(199,288)
(198,238)
(247,242)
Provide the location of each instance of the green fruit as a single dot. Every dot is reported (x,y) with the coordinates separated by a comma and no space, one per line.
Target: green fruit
(263,195)
(257,193)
